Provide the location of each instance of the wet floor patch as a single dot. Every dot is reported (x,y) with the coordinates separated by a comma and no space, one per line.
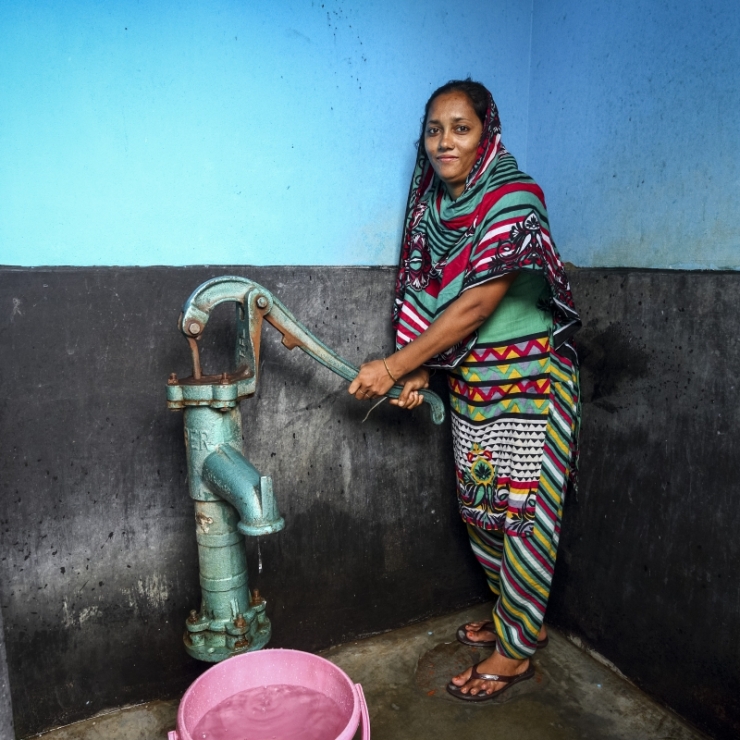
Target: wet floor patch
(572,697)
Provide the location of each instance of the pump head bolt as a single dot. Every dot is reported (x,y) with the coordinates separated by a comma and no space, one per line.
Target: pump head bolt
(193,618)
(194,327)
(256,598)
(173,379)
(262,302)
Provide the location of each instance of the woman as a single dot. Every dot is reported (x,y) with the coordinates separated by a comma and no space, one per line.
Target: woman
(482,294)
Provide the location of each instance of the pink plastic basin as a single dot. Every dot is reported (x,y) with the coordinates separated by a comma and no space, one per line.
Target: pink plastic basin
(266,668)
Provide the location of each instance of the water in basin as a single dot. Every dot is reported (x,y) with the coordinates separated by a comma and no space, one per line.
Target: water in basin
(278,712)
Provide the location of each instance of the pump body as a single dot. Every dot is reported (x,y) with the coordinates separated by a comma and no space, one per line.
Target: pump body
(231,500)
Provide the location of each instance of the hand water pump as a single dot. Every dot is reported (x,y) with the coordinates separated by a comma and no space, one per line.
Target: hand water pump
(231,498)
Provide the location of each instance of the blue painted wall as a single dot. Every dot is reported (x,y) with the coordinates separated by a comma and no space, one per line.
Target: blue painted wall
(634,130)
(282,133)
(227,132)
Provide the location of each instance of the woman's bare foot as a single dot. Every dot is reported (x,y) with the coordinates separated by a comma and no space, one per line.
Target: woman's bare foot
(474,631)
(496,664)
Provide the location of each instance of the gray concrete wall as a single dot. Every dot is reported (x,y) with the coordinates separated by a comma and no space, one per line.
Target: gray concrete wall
(6,707)
(98,563)
(647,570)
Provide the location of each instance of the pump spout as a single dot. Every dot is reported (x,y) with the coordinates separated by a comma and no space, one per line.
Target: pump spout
(233,478)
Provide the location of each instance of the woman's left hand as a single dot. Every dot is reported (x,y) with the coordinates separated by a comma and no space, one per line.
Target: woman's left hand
(413,382)
(372,381)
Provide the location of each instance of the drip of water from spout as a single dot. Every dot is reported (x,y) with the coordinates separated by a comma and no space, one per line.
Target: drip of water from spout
(259,557)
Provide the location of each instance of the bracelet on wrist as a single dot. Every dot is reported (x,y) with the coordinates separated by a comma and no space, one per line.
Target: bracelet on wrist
(388,371)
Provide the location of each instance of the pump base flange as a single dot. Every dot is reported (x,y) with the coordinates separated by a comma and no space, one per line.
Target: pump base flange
(213,647)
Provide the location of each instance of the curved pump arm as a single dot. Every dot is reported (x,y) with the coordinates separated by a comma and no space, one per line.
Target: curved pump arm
(256,303)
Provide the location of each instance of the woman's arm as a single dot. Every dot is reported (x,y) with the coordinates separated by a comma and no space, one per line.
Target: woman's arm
(460,319)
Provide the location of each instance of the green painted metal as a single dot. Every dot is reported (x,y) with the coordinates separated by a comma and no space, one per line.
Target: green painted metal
(231,498)
(253,304)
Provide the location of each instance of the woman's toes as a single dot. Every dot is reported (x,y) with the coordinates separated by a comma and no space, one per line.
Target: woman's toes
(475,630)
(462,678)
(480,689)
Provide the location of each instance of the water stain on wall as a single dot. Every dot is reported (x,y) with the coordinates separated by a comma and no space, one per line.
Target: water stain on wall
(612,359)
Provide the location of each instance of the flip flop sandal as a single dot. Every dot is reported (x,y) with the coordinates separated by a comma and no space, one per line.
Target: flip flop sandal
(462,636)
(456,691)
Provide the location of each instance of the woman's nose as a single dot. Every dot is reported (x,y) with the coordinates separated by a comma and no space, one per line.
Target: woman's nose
(445,140)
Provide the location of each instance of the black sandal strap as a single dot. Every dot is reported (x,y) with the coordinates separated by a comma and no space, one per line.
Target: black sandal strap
(492,676)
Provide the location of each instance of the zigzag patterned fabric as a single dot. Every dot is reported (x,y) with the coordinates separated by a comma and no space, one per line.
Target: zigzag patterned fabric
(496,226)
(514,399)
(514,418)
(519,570)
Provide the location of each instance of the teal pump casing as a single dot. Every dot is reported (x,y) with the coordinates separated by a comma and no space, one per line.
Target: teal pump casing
(232,499)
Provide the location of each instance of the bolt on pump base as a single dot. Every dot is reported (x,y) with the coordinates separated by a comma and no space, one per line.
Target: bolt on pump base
(232,499)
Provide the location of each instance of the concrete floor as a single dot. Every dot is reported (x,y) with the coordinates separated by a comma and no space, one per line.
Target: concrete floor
(403,674)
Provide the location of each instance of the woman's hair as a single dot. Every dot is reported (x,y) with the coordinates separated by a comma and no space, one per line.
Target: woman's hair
(477,94)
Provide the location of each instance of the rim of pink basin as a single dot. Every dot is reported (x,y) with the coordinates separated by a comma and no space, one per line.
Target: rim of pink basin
(266,668)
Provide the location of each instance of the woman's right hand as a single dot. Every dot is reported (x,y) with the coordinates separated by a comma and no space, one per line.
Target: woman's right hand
(410,397)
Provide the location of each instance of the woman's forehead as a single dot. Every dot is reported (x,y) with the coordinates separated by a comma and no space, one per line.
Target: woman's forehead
(454,104)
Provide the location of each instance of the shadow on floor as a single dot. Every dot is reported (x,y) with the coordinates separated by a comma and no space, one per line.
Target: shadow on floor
(403,674)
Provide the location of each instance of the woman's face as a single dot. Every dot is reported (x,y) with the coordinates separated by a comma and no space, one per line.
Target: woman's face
(451,137)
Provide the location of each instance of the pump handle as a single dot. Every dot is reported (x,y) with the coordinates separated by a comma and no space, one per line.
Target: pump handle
(258,303)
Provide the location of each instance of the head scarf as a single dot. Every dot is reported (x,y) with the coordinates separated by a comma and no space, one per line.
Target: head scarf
(497,225)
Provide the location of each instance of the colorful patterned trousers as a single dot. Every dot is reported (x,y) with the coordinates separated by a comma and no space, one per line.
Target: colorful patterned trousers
(519,572)
(518,552)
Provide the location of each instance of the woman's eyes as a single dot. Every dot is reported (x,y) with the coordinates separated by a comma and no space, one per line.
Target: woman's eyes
(434,131)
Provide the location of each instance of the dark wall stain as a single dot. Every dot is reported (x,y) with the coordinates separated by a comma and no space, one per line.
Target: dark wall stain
(611,360)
